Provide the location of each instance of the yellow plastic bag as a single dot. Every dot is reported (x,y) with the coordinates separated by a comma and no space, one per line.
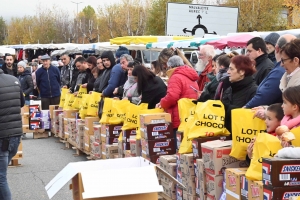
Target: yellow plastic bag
(186,108)
(84,105)
(265,146)
(132,115)
(106,114)
(186,145)
(78,98)
(244,128)
(67,97)
(93,104)
(209,120)
(296,142)
(71,101)
(118,109)
(145,111)
(64,91)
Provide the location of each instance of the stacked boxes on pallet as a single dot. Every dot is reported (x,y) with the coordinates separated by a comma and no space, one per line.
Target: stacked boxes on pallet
(55,121)
(109,140)
(89,131)
(95,142)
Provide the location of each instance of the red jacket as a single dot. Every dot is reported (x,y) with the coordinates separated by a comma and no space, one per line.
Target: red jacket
(179,86)
(203,76)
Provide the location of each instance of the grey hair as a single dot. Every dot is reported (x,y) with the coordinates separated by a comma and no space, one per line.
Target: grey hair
(209,50)
(175,61)
(281,42)
(33,64)
(127,57)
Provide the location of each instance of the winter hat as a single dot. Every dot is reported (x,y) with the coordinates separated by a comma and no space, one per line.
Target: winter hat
(122,50)
(272,38)
(175,61)
(22,63)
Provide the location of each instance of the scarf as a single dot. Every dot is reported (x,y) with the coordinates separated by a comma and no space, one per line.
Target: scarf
(222,74)
(130,81)
(290,122)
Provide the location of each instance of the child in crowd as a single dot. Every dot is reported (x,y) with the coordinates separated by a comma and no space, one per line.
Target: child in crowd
(274,115)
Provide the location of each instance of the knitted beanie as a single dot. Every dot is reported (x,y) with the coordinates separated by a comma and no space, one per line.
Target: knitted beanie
(272,38)
(122,50)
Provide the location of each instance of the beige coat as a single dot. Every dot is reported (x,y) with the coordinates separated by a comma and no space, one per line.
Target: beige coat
(295,81)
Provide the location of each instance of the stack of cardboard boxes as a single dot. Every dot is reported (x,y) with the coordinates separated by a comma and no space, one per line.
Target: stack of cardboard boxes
(124,144)
(95,142)
(89,131)
(109,140)
(79,134)
(157,136)
(69,124)
(54,116)
(38,121)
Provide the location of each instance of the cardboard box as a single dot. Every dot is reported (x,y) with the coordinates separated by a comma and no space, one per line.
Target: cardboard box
(190,185)
(154,119)
(244,188)
(111,151)
(121,152)
(154,159)
(70,113)
(25,129)
(158,147)
(196,144)
(179,193)
(25,110)
(157,131)
(19,153)
(200,169)
(97,133)
(96,149)
(135,147)
(51,109)
(87,142)
(113,130)
(169,189)
(200,177)
(214,186)
(41,134)
(128,133)
(233,182)
(281,193)
(202,187)
(89,124)
(255,190)
(25,119)
(85,178)
(281,172)
(216,157)
(179,137)
(188,166)
(168,163)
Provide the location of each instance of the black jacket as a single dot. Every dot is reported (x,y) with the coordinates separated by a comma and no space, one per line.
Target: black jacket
(66,72)
(26,83)
(236,96)
(154,91)
(82,78)
(263,66)
(104,80)
(14,68)
(98,80)
(11,101)
(90,80)
(209,90)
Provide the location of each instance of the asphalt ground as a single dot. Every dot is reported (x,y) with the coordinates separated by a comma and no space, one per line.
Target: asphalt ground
(42,160)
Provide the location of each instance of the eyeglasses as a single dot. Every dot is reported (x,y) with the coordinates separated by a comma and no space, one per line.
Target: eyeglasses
(283,60)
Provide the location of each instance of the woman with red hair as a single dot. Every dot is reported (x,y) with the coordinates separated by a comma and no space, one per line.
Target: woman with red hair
(242,86)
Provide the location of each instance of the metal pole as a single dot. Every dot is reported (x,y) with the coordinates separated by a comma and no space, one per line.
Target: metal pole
(77,15)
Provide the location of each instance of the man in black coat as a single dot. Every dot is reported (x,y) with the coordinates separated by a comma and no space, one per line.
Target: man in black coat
(9,67)
(11,101)
(25,80)
(257,51)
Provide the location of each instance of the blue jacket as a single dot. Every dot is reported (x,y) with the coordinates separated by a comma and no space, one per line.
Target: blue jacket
(268,91)
(116,79)
(48,82)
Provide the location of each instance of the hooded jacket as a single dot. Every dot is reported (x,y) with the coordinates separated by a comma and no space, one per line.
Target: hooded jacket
(48,82)
(263,66)
(203,76)
(180,86)
(11,101)
(236,96)
(14,68)
(106,74)
(26,83)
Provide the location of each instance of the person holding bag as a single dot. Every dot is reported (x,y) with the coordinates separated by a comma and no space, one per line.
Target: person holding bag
(242,86)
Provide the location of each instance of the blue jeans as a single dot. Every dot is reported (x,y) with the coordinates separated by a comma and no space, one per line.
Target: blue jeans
(5,158)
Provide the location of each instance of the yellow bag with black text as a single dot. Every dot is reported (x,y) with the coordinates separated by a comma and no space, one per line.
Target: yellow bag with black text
(265,146)
(106,113)
(209,120)
(93,104)
(186,108)
(296,141)
(243,129)
(67,97)
(78,98)
(70,102)
(186,145)
(132,114)
(64,91)
(145,111)
(118,110)
(83,105)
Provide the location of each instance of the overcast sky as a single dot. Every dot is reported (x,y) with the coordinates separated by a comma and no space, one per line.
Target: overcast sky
(19,8)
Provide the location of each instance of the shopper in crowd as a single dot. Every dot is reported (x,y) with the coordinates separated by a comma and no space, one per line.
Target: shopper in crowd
(101,69)
(95,72)
(66,71)
(204,64)
(290,61)
(222,65)
(121,51)
(242,87)
(157,69)
(9,67)
(34,67)
(257,51)
(271,41)
(117,76)
(91,64)
(274,115)
(48,83)
(11,101)
(109,62)
(182,84)
(210,87)
(150,86)
(84,75)
(268,91)
(25,81)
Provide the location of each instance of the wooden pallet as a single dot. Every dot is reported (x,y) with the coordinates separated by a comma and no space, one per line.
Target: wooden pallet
(70,144)
(92,157)
(14,163)
(38,135)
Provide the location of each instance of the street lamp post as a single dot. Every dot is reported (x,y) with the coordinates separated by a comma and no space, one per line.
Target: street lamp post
(77,16)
